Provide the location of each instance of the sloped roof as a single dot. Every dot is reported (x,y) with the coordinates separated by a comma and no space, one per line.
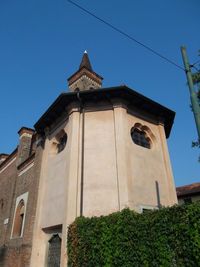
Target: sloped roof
(132,98)
(85,62)
(85,68)
(189,189)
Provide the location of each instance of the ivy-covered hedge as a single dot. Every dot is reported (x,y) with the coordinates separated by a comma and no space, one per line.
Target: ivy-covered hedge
(168,237)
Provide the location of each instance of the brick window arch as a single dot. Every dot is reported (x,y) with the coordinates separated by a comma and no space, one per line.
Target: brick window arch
(19,219)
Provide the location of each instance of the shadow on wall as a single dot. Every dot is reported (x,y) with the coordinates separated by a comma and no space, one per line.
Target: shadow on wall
(158,194)
(2,255)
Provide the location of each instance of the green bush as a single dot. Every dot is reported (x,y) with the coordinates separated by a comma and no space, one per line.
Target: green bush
(167,237)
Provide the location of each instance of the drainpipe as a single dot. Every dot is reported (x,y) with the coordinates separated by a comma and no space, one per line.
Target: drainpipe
(82,151)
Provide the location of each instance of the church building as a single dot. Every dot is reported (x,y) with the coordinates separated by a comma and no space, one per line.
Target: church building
(93,152)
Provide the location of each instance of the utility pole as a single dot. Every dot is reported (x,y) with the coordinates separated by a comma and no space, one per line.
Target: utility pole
(193,94)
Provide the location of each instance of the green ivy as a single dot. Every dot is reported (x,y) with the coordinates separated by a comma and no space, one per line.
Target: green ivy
(169,237)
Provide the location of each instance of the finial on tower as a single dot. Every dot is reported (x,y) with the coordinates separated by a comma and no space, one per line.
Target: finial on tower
(85,78)
(85,62)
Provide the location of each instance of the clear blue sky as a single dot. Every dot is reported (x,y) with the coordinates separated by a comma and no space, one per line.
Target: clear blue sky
(42,43)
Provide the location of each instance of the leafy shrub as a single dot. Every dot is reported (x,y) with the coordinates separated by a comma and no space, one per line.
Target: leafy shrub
(167,237)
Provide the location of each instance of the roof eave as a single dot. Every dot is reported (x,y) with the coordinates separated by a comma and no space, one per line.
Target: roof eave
(119,91)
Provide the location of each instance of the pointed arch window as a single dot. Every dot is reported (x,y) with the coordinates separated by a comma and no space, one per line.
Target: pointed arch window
(19,216)
(62,142)
(19,219)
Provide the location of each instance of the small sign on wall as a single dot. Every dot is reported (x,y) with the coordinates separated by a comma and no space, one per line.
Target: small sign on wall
(6,221)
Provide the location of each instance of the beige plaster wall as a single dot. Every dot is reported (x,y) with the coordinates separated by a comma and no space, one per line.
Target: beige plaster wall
(57,199)
(54,174)
(100,171)
(54,191)
(117,173)
(51,199)
(148,166)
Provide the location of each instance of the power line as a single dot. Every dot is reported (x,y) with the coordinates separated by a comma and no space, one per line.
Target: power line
(127,35)
(196,62)
(193,66)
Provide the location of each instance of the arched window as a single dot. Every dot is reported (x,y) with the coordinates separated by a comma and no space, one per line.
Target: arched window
(140,138)
(19,219)
(59,142)
(62,141)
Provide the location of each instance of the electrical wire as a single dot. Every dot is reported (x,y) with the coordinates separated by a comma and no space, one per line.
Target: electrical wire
(192,66)
(127,35)
(196,62)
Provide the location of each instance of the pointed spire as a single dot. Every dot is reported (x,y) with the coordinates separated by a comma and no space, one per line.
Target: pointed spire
(84,78)
(85,62)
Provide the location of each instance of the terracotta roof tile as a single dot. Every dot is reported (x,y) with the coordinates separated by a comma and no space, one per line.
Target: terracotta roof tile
(188,189)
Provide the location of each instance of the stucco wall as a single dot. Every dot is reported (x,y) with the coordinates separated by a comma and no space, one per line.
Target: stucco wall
(100,174)
(148,167)
(53,180)
(57,199)
(116,174)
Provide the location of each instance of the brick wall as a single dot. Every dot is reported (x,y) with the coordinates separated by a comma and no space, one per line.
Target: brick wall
(7,186)
(16,252)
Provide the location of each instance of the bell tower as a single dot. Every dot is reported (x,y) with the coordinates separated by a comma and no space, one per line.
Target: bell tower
(85,78)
